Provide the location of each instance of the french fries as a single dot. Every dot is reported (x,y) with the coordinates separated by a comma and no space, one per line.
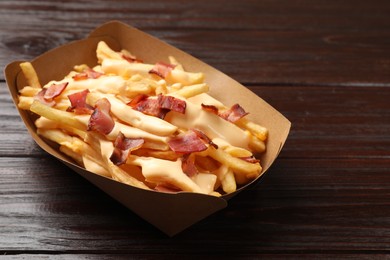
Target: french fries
(31,75)
(152,126)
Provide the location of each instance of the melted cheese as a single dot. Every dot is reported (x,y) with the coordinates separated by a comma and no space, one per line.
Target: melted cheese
(125,69)
(137,119)
(128,131)
(132,132)
(212,125)
(184,77)
(164,171)
(206,181)
(106,84)
(206,99)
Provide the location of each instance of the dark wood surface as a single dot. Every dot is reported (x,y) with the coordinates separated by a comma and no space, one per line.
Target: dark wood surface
(324,64)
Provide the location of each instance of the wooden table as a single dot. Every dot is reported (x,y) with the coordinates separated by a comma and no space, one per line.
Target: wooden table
(324,64)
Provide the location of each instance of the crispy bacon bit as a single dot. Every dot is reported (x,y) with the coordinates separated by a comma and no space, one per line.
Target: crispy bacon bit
(172,103)
(157,107)
(250,159)
(55,90)
(188,165)
(162,69)
(131,59)
(123,146)
(87,73)
(234,113)
(79,104)
(148,106)
(205,138)
(47,95)
(40,96)
(101,120)
(187,143)
(137,99)
(210,108)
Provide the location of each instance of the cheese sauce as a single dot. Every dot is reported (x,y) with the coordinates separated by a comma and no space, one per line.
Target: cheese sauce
(125,69)
(105,84)
(137,119)
(158,170)
(212,125)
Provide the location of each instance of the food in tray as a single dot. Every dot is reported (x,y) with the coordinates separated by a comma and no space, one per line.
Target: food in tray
(152,126)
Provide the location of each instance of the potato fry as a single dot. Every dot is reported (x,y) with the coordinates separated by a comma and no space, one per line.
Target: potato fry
(173,61)
(64,117)
(28,91)
(105,52)
(161,154)
(44,123)
(73,143)
(106,148)
(237,151)
(206,163)
(30,74)
(25,102)
(184,77)
(191,90)
(238,165)
(69,152)
(256,144)
(228,183)
(256,129)
(135,88)
(91,165)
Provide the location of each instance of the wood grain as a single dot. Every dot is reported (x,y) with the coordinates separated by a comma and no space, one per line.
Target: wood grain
(267,42)
(301,205)
(323,64)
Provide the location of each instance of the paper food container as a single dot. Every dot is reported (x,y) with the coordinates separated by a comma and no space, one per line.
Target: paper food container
(171,213)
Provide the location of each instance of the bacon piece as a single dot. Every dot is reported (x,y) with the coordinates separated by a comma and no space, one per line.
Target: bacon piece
(78,101)
(137,99)
(131,59)
(250,159)
(47,95)
(188,165)
(149,106)
(101,120)
(234,113)
(172,103)
(40,96)
(210,108)
(55,90)
(162,69)
(123,146)
(205,138)
(157,107)
(87,73)
(187,143)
